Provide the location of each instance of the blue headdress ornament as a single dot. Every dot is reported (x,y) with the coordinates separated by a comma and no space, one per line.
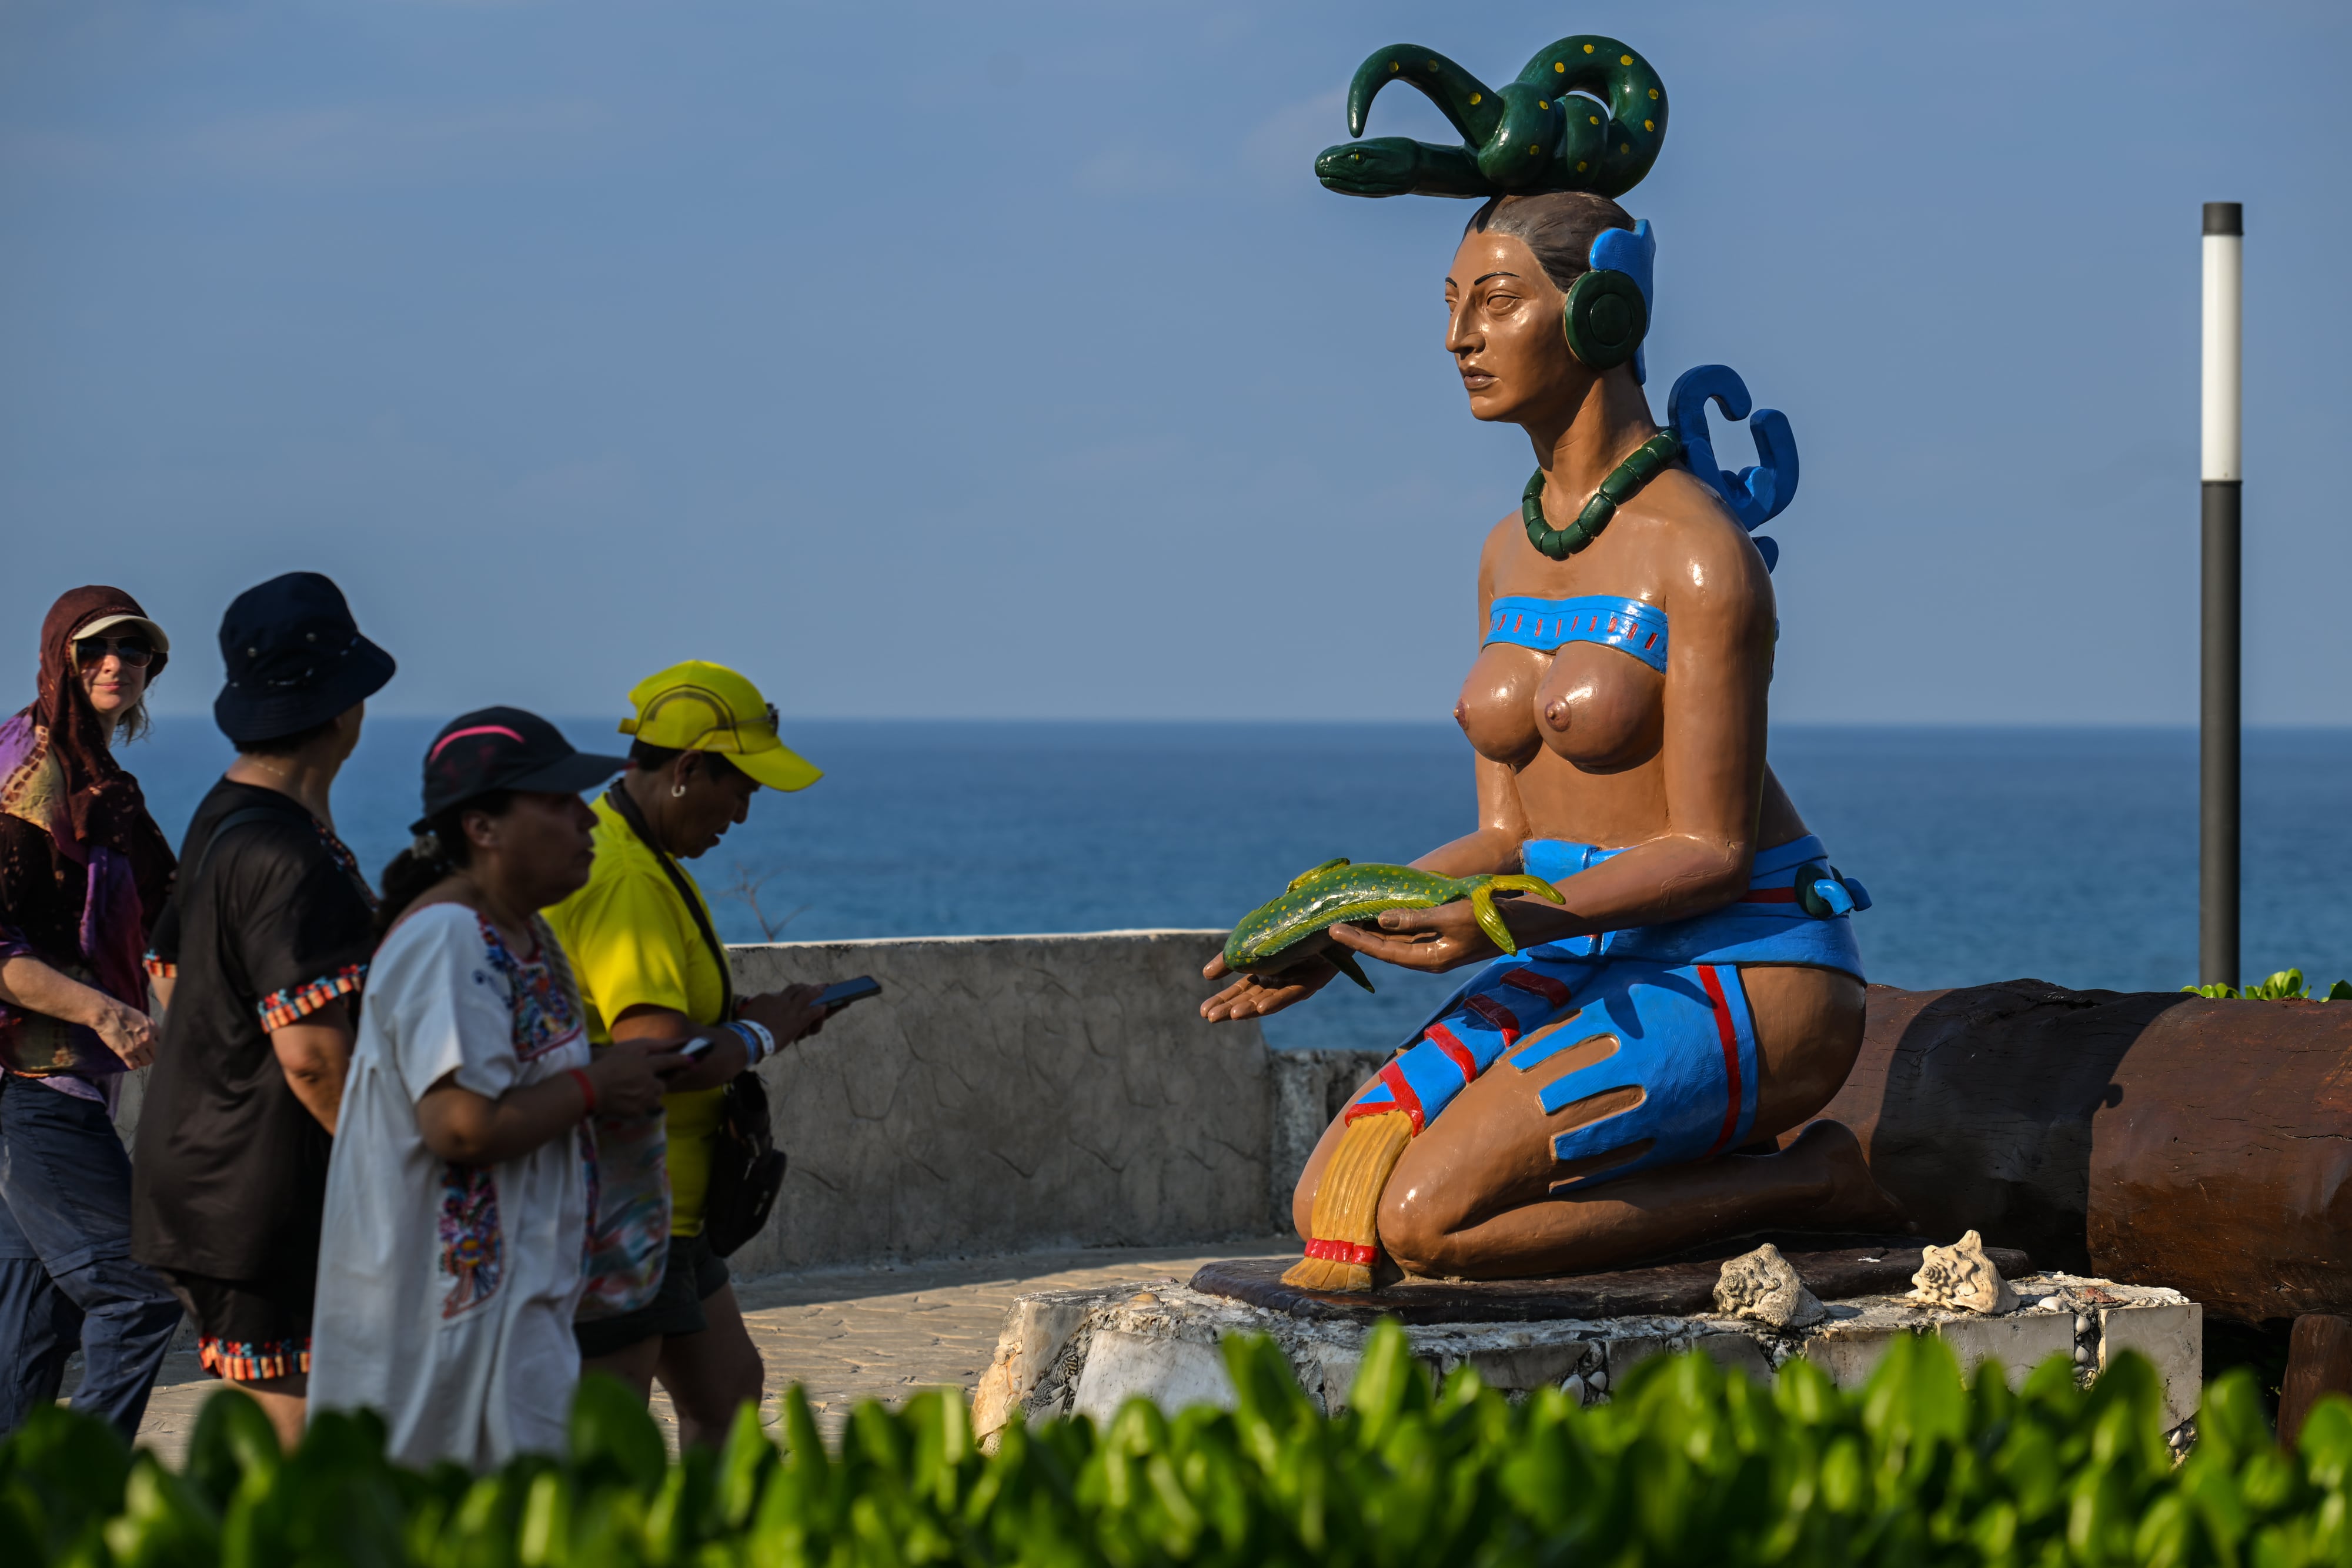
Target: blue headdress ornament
(1624,252)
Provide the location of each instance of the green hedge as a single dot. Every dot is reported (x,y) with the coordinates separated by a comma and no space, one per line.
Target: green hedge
(1685,1465)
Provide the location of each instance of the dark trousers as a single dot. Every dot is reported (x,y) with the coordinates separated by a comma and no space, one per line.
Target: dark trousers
(67,1281)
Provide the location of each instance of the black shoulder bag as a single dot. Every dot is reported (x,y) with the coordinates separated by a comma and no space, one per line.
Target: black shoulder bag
(747,1169)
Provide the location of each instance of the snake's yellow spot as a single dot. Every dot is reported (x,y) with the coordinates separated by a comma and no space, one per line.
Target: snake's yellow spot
(1541,104)
(1654,93)
(1558,64)
(1624,147)
(1594,117)
(1625,60)
(1432,65)
(1392,65)
(1588,49)
(1477,96)
(1580,168)
(1649,125)
(1533,149)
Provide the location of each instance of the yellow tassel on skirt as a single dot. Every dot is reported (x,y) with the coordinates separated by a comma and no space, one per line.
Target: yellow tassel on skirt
(1345,1222)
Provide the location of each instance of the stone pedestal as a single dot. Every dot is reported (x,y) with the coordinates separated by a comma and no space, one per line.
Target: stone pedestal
(1087,1352)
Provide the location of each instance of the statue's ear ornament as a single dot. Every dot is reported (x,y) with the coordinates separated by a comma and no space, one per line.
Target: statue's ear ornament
(1586,113)
(1755,494)
(1608,309)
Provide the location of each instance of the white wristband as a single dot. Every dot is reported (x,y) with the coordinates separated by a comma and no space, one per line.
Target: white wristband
(757,1037)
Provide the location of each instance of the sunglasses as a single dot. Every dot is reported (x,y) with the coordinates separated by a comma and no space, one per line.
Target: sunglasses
(135,651)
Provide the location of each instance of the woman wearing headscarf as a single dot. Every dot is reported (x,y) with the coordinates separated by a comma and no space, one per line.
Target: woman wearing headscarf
(84,872)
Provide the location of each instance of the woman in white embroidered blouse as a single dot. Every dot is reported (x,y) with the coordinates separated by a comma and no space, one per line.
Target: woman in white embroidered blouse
(458,1197)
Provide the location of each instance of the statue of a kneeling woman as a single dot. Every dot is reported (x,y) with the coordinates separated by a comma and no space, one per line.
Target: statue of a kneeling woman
(1615,1090)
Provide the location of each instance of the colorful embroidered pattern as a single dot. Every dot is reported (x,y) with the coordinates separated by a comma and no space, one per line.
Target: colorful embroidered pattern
(157,969)
(473,1251)
(254,1359)
(295,1003)
(543,1017)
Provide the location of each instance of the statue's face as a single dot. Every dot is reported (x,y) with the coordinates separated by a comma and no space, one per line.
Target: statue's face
(1503,328)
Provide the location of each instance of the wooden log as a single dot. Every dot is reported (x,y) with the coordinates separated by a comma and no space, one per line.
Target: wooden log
(2152,1137)
(2319,1361)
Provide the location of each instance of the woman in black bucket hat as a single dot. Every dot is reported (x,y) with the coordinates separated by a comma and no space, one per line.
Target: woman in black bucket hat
(262,956)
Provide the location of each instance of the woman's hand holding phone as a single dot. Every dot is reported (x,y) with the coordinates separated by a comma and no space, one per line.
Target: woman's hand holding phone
(790,1014)
(630,1076)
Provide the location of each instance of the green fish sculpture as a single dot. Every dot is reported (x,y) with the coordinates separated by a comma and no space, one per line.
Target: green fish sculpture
(1297,926)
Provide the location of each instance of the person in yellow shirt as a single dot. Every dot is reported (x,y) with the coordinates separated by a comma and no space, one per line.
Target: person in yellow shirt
(650,968)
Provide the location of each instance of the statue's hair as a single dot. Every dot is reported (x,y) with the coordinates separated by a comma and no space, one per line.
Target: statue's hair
(1560,226)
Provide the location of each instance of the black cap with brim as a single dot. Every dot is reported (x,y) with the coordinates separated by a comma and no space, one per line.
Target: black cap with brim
(295,659)
(495,749)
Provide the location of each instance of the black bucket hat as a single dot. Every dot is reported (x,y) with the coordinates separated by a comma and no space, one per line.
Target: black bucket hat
(505,749)
(295,659)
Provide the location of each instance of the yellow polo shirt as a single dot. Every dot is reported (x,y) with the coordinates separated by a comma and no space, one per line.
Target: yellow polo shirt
(633,943)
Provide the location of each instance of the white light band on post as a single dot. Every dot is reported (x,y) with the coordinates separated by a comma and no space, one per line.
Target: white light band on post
(2224,323)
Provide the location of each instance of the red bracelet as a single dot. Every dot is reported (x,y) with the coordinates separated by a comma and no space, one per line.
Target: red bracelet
(587,1091)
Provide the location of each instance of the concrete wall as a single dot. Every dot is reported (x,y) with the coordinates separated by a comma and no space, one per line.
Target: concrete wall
(1015,1092)
(1007,1093)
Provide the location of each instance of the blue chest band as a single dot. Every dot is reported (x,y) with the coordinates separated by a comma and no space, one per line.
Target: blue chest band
(1544,624)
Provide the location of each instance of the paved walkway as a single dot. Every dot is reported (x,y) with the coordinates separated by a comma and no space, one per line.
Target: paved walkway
(846,1335)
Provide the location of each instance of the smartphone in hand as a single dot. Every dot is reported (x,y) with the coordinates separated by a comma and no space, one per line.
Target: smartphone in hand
(840,994)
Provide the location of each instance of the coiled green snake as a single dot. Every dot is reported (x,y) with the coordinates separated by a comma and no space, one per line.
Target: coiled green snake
(1586,113)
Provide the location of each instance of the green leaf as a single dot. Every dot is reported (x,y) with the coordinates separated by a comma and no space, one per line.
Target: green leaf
(233,1439)
(1914,1394)
(2232,1424)
(165,1521)
(2281,986)
(611,1429)
(743,1467)
(2326,1443)
(72,1467)
(1390,1383)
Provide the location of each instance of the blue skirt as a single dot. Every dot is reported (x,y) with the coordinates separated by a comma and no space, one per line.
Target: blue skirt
(1670,996)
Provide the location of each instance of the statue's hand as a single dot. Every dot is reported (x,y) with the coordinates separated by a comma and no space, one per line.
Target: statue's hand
(1251,996)
(1434,940)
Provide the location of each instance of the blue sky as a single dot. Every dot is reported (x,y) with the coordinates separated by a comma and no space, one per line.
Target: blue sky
(940,360)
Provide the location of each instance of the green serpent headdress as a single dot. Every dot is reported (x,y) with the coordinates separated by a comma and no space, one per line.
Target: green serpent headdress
(1586,113)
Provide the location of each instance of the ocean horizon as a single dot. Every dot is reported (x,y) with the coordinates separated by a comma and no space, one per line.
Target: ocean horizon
(2067,854)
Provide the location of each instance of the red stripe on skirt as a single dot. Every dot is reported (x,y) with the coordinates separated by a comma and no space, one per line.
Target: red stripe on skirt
(1443,1038)
(1406,1100)
(1497,1014)
(1726,1034)
(1553,991)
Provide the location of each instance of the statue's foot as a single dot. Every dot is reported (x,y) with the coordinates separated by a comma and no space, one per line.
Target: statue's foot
(1854,1200)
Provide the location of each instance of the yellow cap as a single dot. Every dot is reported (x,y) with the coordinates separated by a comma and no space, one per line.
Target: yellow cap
(701,706)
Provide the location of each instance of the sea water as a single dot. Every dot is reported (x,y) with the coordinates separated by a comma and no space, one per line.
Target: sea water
(2068,855)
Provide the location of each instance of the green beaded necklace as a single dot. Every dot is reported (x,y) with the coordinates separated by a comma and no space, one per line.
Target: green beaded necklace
(1648,460)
